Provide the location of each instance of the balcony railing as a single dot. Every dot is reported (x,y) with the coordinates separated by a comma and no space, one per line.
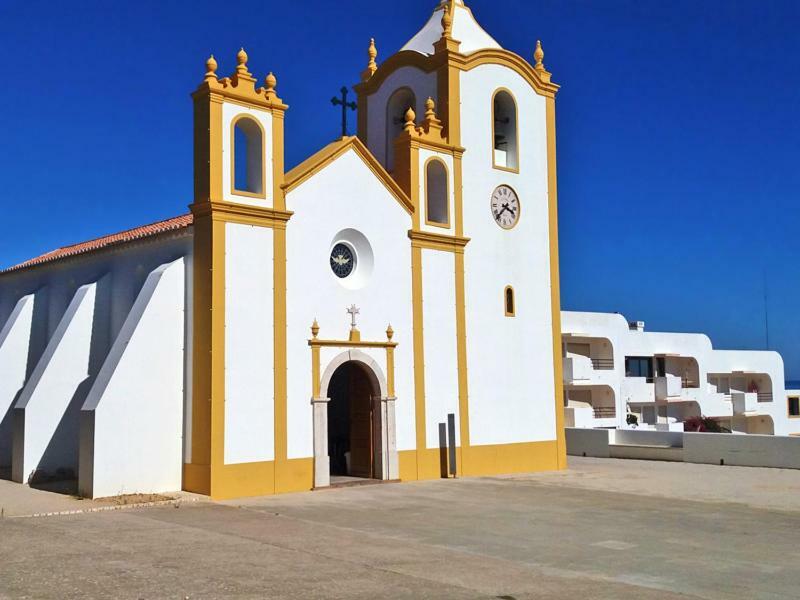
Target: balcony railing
(765,396)
(603,364)
(605,412)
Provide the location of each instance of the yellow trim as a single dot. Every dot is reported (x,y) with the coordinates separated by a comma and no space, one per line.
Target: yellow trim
(437,241)
(419,355)
(555,289)
(519,203)
(523,457)
(234,190)
(278,165)
(331,152)
(516,129)
(461,358)
(445,224)
(513,311)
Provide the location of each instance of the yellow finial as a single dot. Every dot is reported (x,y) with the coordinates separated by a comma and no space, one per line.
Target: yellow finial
(271,81)
(447,20)
(315,329)
(211,67)
(372,52)
(538,56)
(411,118)
(430,106)
(389,332)
(241,60)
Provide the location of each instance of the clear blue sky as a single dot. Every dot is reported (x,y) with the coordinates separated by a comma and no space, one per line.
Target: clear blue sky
(678,133)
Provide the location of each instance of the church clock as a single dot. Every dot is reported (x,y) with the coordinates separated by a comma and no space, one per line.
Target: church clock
(505,207)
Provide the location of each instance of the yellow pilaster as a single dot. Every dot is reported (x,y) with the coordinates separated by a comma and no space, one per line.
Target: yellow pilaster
(555,285)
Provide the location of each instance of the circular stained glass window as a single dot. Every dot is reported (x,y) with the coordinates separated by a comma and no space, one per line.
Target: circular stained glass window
(343,260)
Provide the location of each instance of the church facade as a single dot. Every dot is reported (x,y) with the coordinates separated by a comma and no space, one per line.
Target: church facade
(387,309)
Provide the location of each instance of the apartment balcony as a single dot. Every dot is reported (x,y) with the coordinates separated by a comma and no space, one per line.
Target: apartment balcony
(668,387)
(638,390)
(577,369)
(744,402)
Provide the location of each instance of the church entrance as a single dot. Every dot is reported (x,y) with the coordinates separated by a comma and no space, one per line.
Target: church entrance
(352,427)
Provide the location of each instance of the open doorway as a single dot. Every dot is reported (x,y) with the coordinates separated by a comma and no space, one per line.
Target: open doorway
(353,424)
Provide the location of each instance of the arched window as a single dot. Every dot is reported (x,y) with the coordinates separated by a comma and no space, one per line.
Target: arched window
(248,157)
(437,207)
(506,134)
(399,102)
(510,303)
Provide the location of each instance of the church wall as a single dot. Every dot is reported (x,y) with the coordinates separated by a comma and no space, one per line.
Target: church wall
(344,196)
(132,425)
(439,326)
(14,339)
(249,345)
(54,285)
(510,359)
(46,422)
(423,85)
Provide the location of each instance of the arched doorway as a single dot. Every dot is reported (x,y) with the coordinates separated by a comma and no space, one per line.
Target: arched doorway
(354,426)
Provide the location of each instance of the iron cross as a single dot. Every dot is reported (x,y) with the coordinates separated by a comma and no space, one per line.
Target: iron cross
(345,105)
(353,311)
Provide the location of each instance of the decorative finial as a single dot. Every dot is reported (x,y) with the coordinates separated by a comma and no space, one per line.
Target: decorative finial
(270,81)
(411,118)
(241,60)
(211,67)
(430,112)
(315,329)
(389,332)
(447,20)
(372,52)
(538,56)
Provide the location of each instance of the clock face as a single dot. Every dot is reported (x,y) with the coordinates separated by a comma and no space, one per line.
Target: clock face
(505,207)
(343,260)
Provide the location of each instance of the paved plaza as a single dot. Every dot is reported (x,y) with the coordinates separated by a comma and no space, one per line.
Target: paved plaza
(604,529)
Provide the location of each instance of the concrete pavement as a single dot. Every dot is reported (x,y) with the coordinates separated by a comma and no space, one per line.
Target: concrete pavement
(535,536)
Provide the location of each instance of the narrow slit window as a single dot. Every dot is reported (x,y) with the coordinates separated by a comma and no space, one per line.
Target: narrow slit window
(248,157)
(506,136)
(437,205)
(510,302)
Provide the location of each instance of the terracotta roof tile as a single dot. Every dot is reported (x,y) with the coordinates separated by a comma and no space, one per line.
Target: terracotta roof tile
(138,233)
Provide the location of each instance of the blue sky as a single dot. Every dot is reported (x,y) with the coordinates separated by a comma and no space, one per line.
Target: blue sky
(678,133)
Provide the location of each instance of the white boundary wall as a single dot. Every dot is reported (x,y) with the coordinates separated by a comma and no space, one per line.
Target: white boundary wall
(781,452)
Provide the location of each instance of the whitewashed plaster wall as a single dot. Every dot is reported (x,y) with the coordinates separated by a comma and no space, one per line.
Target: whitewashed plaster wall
(132,420)
(249,345)
(510,360)
(46,415)
(346,196)
(53,285)
(439,342)
(15,336)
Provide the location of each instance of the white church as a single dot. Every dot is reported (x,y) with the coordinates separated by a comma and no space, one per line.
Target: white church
(388,309)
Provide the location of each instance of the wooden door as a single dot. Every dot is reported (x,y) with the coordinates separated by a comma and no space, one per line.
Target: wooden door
(361,451)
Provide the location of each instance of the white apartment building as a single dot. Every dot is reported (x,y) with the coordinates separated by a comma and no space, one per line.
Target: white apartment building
(613,369)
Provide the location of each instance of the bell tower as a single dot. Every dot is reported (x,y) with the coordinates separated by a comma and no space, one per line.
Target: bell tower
(236,434)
